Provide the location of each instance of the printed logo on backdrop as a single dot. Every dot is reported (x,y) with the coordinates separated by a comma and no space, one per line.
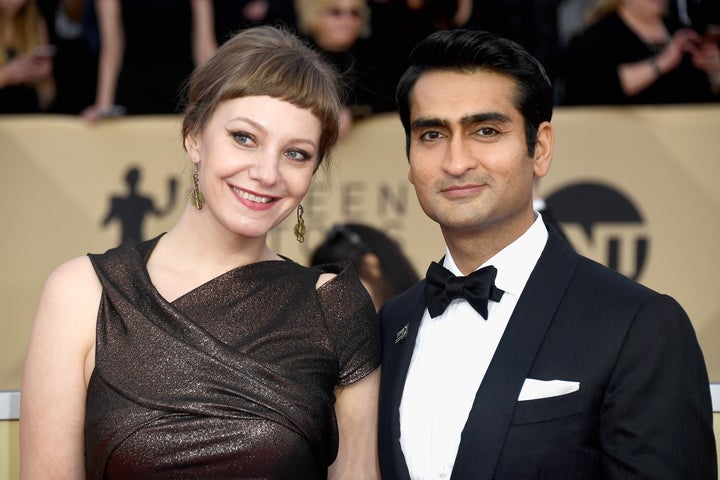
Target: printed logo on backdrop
(603,223)
(132,208)
(381,204)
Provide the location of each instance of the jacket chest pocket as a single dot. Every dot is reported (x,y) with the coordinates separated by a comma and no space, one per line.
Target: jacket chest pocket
(548,409)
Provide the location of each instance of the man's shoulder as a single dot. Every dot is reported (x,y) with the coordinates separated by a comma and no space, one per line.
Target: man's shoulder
(596,284)
(401,308)
(407,299)
(589,278)
(606,275)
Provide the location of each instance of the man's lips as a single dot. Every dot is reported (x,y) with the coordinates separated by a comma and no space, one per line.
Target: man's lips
(461,190)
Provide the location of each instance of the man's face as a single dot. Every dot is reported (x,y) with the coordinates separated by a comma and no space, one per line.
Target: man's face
(468,157)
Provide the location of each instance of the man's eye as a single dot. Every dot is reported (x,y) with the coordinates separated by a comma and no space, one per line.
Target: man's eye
(487,132)
(430,135)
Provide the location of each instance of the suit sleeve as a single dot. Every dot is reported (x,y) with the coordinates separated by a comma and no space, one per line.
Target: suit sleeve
(656,420)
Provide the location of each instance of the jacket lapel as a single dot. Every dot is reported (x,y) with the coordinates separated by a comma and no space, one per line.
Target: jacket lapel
(400,322)
(487,425)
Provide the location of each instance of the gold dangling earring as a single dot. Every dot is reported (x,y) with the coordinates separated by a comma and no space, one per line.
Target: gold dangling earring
(196,195)
(299,228)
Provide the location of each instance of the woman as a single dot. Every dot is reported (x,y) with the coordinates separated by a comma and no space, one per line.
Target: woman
(234,15)
(26,59)
(201,353)
(633,55)
(381,264)
(340,30)
(147,50)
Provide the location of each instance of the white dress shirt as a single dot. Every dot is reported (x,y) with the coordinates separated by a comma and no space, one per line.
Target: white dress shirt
(451,356)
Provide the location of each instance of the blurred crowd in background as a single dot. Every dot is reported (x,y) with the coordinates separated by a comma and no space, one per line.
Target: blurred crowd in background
(105,58)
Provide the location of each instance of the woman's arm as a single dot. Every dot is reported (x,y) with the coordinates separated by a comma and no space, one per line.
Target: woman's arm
(59,361)
(463,12)
(44,68)
(15,71)
(707,58)
(356,409)
(30,67)
(112,46)
(637,76)
(203,35)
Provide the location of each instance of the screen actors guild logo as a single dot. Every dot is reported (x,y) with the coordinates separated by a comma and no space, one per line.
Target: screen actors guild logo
(131,209)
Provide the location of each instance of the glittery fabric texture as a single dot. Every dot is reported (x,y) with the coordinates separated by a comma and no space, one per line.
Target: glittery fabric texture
(233,380)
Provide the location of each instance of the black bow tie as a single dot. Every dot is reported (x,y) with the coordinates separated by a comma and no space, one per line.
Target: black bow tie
(443,287)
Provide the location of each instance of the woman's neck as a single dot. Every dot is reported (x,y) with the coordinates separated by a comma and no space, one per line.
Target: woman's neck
(210,244)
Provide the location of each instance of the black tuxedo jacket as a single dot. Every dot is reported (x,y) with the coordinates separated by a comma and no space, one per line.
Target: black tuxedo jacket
(643,409)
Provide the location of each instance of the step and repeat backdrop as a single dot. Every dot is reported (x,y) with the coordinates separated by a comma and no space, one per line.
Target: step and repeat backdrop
(633,188)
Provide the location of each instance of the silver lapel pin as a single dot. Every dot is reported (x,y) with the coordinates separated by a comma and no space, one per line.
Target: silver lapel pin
(401,334)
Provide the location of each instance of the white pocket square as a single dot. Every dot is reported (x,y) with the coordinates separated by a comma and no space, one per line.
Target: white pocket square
(534,389)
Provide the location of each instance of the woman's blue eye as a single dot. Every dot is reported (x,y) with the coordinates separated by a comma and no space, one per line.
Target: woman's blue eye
(298,155)
(242,138)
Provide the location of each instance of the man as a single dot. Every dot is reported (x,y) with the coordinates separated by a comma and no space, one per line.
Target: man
(577,372)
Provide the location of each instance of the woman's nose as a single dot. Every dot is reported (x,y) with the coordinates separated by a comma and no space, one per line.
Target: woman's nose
(265,168)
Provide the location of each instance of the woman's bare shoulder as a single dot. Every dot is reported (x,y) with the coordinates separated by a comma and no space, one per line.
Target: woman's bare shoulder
(72,290)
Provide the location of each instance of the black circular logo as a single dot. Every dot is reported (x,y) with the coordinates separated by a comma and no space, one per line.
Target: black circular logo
(613,232)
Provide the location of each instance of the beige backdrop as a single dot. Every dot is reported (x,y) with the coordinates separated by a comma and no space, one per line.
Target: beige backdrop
(58,175)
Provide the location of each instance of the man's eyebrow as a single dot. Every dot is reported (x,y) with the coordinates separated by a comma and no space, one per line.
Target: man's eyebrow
(485,117)
(423,122)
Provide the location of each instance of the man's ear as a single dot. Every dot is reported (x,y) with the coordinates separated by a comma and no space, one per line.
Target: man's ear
(543,150)
(410,174)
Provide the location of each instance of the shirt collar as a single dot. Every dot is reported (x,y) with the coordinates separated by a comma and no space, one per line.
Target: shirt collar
(516,261)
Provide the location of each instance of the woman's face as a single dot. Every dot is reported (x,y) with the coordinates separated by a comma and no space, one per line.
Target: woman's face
(256,158)
(339,25)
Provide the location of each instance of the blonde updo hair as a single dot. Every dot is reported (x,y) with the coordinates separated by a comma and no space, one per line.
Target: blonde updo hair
(266,61)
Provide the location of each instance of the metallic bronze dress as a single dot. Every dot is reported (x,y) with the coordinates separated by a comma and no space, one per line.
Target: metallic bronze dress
(232,380)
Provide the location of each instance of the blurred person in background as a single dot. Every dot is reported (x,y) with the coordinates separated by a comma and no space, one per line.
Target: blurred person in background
(72,28)
(26,74)
(379,260)
(234,15)
(572,15)
(531,24)
(396,26)
(339,29)
(633,53)
(147,50)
